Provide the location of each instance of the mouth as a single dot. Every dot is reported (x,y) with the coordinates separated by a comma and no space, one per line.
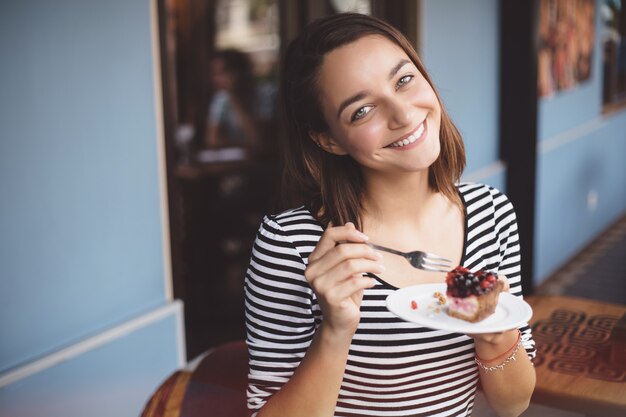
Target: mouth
(415,136)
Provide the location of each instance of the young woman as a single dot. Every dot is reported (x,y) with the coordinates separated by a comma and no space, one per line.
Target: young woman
(373,156)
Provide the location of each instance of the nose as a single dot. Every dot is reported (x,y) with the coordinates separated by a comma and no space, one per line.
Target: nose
(400,113)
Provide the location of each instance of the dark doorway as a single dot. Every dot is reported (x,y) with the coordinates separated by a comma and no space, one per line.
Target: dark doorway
(222,144)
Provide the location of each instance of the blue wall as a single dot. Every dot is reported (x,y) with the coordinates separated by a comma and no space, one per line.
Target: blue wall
(589,162)
(580,154)
(81,238)
(460,48)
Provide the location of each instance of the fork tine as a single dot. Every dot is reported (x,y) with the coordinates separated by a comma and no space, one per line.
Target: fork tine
(434,257)
(427,268)
(419,259)
(432,263)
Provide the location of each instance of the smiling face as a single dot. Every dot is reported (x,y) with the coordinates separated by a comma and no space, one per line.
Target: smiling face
(379,108)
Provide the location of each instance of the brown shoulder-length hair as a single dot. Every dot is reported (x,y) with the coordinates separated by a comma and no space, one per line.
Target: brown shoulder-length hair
(331,186)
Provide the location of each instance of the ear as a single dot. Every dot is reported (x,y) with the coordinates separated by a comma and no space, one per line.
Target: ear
(327,143)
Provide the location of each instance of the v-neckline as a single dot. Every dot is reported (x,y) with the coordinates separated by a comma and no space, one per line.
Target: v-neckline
(463,252)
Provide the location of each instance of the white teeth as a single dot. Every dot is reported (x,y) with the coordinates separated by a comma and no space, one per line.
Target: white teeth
(410,139)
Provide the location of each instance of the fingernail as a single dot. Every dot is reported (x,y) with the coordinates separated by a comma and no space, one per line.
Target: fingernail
(363,235)
(381,268)
(378,255)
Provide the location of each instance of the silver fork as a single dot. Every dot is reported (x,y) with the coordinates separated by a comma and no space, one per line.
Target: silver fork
(418,259)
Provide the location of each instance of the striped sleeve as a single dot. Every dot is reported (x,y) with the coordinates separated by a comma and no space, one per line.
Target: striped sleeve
(510,259)
(279,315)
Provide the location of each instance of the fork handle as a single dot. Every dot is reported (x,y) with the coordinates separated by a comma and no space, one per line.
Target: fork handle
(385,249)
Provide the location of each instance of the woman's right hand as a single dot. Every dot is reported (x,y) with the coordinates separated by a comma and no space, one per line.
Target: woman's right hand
(335,272)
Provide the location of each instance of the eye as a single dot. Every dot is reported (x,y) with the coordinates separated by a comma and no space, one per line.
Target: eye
(404,80)
(360,113)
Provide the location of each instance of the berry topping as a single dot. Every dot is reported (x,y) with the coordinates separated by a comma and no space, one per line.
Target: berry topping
(464,283)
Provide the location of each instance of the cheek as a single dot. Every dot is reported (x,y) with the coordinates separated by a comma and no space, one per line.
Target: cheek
(437,147)
(365,138)
(436,143)
(432,147)
(431,153)
(434,123)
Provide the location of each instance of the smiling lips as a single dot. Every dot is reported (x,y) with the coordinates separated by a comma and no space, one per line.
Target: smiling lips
(411,138)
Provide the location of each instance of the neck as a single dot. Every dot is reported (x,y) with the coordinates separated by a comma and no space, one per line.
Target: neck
(397,200)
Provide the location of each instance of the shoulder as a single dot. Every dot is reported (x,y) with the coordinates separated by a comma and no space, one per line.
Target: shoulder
(220,98)
(476,195)
(485,204)
(292,221)
(296,226)
(219,102)
(266,90)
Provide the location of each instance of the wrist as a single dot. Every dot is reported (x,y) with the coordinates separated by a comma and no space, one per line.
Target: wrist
(334,337)
(489,349)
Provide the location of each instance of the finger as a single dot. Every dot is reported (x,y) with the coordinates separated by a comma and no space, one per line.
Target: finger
(487,337)
(343,253)
(334,235)
(505,281)
(349,287)
(343,271)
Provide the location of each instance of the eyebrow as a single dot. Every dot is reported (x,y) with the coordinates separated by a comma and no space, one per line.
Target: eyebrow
(399,65)
(362,94)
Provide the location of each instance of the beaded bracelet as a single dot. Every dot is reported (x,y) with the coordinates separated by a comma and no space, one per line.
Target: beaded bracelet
(510,358)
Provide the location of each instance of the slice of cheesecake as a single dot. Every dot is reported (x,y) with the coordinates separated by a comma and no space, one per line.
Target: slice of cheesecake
(472,296)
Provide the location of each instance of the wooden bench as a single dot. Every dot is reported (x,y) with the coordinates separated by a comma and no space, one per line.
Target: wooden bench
(580,355)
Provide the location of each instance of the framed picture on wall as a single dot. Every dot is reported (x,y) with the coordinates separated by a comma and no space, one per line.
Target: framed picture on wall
(566,42)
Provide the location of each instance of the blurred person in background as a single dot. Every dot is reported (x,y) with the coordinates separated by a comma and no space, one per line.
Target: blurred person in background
(239,107)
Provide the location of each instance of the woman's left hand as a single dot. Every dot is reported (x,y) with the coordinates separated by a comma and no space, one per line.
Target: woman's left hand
(493,340)
(509,389)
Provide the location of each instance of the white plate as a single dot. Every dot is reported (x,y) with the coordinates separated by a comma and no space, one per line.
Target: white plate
(511,311)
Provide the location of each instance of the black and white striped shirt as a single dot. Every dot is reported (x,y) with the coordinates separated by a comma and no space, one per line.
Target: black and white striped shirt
(394,368)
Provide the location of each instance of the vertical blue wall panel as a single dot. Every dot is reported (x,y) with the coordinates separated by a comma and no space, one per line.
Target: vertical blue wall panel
(461,52)
(80,228)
